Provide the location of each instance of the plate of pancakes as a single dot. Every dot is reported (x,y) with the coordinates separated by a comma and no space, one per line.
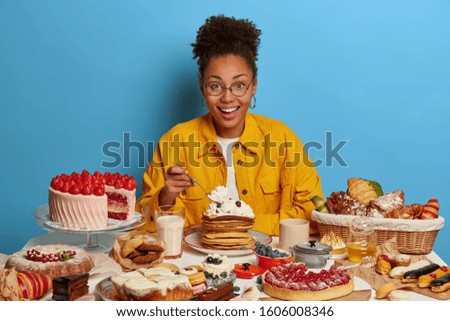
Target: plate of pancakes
(228,244)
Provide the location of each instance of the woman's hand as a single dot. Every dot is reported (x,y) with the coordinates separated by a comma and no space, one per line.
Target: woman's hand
(176,181)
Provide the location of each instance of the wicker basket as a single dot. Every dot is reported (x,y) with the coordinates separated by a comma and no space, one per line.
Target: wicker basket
(413,236)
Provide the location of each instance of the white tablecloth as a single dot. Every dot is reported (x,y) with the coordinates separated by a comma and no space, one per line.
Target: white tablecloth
(105,266)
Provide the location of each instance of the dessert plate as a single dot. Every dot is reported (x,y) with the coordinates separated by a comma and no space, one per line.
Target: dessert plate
(104,290)
(193,241)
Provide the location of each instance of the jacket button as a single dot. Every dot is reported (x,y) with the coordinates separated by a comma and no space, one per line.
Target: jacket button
(239,162)
(236,145)
(244,191)
(183,192)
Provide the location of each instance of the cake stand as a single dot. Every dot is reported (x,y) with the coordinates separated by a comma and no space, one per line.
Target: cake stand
(42,216)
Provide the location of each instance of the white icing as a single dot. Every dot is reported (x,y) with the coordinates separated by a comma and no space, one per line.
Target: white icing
(144,281)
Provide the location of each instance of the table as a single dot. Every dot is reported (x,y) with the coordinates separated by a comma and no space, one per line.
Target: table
(189,257)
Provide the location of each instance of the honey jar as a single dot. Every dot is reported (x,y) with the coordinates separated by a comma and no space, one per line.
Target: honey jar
(362,239)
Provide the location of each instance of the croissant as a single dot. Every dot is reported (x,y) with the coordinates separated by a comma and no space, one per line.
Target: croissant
(362,190)
(430,210)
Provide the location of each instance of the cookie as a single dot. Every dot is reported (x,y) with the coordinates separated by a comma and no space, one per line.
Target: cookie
(130,246)
(148,258)
(150,247)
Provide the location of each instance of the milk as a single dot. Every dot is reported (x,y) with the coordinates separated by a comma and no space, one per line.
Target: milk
(169,228)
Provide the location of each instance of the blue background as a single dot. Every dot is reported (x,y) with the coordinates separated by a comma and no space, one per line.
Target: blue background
(75,75)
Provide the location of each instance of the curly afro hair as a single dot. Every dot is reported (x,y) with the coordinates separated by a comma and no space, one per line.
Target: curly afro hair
(221,36)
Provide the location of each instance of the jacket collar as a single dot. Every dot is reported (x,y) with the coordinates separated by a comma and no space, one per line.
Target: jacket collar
(251,139)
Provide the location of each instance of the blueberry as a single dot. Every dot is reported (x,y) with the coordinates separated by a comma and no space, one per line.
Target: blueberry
(259,279)
(223,274)
(236,289)
(259,286)
(210,259)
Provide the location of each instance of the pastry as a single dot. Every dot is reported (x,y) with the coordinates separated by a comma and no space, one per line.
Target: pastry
(335,241)
(409,212)
(172,267)
(52,260)
(153,284)
(441,284)
(363,190)
(86,201)
(17,286)
(222,292)
(382,205)
(294,282)
(227,222)
(196,278)
(399,295)
(383,265)
(218,269)
(70,287)
(251,294)
(397,272)
(430,210)
(383,291)
(342,203)
(401,260)
(413,275)
(425,280)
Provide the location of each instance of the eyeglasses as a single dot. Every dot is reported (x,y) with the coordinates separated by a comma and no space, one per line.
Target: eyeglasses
(238,89)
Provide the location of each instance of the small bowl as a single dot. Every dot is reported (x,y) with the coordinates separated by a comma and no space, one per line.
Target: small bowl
(266,262)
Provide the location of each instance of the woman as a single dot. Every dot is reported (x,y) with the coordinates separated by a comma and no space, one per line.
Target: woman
(260,160)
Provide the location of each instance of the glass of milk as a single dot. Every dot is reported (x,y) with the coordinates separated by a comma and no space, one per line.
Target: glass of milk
(169,228)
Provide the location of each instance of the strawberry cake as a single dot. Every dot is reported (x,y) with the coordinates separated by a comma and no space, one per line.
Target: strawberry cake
(293,282)
(88,200)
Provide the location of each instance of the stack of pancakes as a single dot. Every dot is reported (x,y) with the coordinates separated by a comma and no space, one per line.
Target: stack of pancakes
(227,232)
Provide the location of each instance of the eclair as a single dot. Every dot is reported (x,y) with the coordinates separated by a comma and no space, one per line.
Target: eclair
(413,275)
(441,284)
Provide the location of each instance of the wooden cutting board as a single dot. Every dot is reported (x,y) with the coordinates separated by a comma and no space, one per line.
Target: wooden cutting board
(376,280)
(358,295)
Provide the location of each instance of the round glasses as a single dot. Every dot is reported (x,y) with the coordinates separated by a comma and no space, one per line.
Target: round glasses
(238,89)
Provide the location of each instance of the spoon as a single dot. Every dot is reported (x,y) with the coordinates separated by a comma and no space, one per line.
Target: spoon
(195,182)
(366,262)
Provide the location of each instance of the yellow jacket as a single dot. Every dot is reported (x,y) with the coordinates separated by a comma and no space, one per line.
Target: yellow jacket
(273,173)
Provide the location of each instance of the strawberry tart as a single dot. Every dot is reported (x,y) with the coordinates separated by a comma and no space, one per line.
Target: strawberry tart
(293,282)
(88,200)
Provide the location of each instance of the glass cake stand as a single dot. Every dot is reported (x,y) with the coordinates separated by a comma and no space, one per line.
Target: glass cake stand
(42,216)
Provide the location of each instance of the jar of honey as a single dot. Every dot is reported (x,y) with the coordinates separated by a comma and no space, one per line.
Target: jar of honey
(362,239)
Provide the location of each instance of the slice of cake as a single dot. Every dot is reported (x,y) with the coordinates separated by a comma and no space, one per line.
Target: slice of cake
(153,284)
(87,200)
(226,222)
(70,287)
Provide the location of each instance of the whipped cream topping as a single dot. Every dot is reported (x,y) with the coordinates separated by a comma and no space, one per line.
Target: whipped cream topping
(217,269)
(223,205)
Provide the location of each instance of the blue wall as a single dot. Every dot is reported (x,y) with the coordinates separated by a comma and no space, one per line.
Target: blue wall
(77,74)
